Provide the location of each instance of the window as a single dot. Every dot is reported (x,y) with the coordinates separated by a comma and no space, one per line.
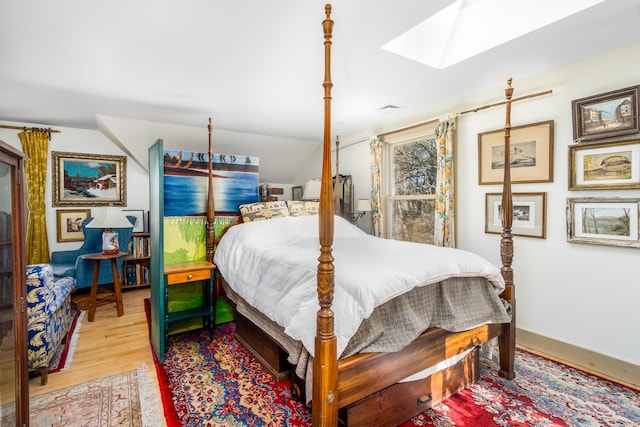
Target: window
(411,178)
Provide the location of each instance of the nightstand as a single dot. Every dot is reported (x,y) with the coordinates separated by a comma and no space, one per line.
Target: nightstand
(178,274)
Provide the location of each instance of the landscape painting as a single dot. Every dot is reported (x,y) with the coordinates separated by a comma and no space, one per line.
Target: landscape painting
(603,221)
(604,165)
(88,179)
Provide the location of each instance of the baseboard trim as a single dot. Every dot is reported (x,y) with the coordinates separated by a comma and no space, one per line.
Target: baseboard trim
(624,372)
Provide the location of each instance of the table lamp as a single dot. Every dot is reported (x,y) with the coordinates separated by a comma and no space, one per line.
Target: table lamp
(362,207)
(110,218)
(312,190)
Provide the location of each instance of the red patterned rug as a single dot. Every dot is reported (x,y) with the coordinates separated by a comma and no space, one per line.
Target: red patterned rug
(61,360)
(217,382)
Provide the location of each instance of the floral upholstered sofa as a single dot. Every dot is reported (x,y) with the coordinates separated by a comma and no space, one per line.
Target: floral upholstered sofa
(48,315)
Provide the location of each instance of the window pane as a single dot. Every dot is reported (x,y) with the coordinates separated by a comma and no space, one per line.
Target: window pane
(414,168)
(412,220)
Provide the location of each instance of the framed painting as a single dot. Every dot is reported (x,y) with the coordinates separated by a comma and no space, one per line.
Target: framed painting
(605,115)
(69,224)
(88,179)
(296,192)
(139,226)
(610,166)
(529,214)
(531,154)
(603,221)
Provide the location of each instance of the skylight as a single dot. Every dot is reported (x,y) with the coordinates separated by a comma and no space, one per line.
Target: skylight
(469,27)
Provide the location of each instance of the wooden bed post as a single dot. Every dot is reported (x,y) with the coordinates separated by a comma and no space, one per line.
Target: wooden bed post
(211,226)
(336,186)
(325,363)
(507,340)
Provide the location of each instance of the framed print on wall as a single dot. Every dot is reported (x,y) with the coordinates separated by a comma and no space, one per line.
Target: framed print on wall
(529,214)
(531,154)
(611,166)
(88,179)
(605,115)
(296,192)
(69,224)
(138,227)
(603,221)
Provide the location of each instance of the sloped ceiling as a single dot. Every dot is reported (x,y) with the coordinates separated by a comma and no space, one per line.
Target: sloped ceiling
(256,67)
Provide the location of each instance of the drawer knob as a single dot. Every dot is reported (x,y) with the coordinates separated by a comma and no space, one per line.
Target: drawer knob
(190,276)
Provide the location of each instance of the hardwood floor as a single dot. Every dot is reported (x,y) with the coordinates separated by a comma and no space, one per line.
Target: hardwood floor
(107,346)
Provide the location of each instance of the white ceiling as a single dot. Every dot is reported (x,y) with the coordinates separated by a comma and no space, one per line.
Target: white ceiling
(257,66)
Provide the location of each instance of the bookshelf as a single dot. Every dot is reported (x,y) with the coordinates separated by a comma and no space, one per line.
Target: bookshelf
(137,264)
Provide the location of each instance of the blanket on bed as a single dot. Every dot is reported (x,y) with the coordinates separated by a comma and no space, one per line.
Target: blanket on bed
(272,266)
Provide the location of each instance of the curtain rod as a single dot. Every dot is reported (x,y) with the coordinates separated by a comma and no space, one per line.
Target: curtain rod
(484,107)
(428,122)
(472,110)
(48,131)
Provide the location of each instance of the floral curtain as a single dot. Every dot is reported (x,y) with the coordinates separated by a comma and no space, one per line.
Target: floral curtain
(35,145)
(375,150)
(444,228)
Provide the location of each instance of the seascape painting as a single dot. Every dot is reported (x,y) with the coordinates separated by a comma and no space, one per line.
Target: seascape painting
(235,181)
(523,155)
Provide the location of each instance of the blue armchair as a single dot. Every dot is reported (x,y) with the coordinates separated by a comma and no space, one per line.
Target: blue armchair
(48,316)
(69,263)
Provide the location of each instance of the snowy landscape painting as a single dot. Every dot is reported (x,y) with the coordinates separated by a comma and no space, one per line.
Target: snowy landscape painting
(88,179)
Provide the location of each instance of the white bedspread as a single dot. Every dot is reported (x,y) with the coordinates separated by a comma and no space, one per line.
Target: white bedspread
(273,266)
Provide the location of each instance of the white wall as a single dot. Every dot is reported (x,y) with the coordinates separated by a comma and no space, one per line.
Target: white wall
(584,295)
(90,142)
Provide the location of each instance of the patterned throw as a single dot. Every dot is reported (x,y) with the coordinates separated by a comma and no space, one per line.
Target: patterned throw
(217,383)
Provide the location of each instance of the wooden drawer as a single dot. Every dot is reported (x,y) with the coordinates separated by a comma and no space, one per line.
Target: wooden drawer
(401,401)
(188,276)
(188,272)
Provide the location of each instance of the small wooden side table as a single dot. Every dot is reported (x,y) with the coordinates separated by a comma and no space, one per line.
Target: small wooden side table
(116,295)
(177,274)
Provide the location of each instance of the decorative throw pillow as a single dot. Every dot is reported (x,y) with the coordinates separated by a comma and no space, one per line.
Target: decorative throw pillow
(303,207)
(260,211)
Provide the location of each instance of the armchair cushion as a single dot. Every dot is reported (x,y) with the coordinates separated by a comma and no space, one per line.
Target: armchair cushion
(48,314)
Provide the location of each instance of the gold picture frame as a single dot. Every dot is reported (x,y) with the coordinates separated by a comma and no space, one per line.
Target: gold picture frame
(88,179)
(529,214)
(69,224)
(531,154)
(604,166)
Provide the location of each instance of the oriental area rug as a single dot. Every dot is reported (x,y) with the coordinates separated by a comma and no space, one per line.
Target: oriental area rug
(63,356)
(217,382)
(128,399)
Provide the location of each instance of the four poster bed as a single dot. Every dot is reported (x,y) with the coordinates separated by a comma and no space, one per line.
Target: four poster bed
(375,354)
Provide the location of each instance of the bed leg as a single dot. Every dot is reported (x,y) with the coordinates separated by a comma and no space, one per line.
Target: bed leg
(507,346)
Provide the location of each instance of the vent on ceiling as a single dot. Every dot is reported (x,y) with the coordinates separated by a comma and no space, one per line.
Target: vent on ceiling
(389,107)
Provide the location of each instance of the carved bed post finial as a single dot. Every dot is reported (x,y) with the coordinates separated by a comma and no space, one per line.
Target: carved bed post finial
(506,243)
(325,363)
(210,204)
(507,340)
